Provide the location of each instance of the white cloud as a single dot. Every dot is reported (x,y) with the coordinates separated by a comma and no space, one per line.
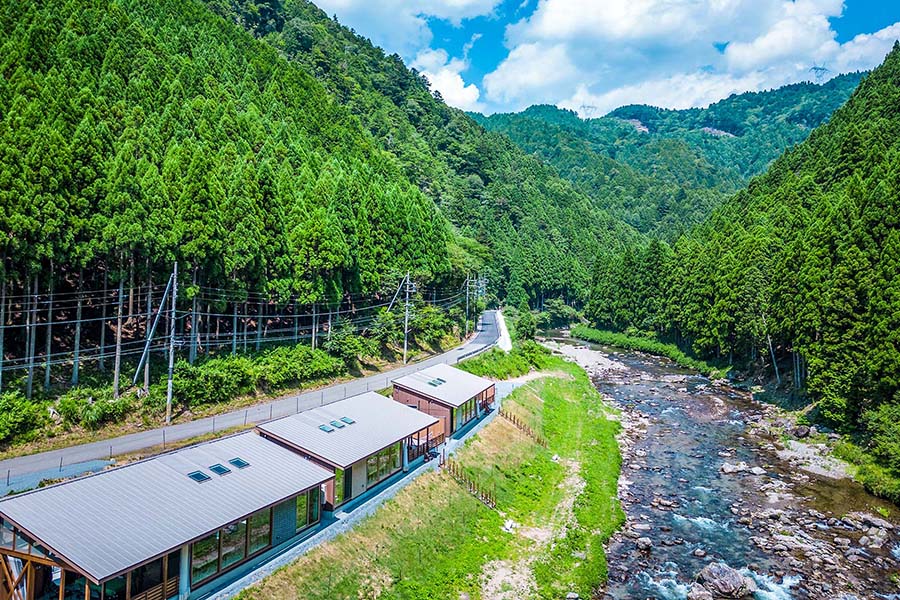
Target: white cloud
(535,72)
(401,26)
(605,53)
(445,75)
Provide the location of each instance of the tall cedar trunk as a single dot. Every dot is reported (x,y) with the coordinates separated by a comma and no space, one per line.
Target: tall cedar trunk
(246,325)
(149,324)
(296,323)
(208,326)
(234,330)
(218,325)
(131,288)
(32,340)
(101,363)
(259,326)
(118,361)
(315,326)
(76,364)
(2,323)
(192,354)
(49,345)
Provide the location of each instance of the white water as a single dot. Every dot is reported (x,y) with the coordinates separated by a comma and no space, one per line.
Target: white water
(769,589)
(704,523)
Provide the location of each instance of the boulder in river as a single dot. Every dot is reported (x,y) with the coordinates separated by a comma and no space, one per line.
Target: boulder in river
(644,544)
(698,592)
(801,431)
(729,468)
(724,582)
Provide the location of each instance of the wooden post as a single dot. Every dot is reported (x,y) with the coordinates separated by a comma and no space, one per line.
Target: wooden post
(118,361)
(76,359)
(62,584)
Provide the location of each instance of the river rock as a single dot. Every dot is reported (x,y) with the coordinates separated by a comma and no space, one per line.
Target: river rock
(644,544)
(698,592)
(801,431)
(724,582)
(871,520)
(729,468)
(758,471)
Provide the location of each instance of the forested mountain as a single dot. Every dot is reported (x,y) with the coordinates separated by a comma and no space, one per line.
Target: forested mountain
(661,170)
(808,256)
(542,232)
(136,133)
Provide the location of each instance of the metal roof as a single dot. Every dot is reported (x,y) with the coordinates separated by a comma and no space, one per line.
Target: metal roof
(446,384)
(108,523)
(378,423)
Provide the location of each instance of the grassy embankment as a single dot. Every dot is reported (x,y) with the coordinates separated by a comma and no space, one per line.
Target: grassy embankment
(434,540)
(650,346)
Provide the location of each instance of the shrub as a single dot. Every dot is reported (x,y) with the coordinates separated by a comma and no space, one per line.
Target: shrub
(18,415)
(345,343)
(286,366)
(212,381)
(883,428)
(503,365)
(92,407)
(430,324)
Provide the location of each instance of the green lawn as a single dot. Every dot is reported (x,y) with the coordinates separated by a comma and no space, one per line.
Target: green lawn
(434,540)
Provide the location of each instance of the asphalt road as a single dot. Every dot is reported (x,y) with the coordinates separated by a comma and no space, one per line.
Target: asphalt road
(47,464)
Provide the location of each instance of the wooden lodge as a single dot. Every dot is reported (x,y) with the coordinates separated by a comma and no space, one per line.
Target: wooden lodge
(454,396)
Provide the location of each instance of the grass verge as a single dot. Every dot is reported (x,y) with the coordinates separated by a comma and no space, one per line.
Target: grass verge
(435,540)
(655,347)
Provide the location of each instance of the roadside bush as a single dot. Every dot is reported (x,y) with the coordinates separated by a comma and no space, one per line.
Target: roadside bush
(215,380)
(498,364)
(387,328)
(348,345)
(430,324)
(92,408)
(286,366)
(18,415)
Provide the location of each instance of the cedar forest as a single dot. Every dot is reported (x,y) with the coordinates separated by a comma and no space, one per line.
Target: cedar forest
(286,164)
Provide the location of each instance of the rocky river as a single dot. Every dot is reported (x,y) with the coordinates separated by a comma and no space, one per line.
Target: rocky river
(722,503)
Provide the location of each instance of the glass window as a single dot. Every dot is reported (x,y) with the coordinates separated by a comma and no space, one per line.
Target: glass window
(338,486)
(314,503)
(147,577)
(395,455)
(205,558)
(74,586)
(234,544)
(372,469)
(384,463)
(302,511)
(173,571)
(22,542)
(6,535)
(260,530)
(115,589)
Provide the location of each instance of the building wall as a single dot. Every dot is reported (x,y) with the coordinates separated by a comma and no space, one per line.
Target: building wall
(425,405)
(359,478)
(284,521)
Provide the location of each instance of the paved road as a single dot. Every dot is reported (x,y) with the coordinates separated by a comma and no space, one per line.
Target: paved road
(53,463)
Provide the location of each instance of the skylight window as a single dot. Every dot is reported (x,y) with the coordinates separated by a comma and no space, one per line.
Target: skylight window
(326,428)
(220,469)
(338,424)
(437,381)
(348,420)
(199,476)
(239,463)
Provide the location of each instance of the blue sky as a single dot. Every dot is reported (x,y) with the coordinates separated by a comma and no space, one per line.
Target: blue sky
(595,55)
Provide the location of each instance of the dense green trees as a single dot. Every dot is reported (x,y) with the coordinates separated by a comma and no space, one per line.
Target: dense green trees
(804,262)
(541,232)
(664,170)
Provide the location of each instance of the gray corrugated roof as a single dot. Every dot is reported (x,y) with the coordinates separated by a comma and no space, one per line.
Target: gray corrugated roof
(459,387)
(109,522)
(380,422)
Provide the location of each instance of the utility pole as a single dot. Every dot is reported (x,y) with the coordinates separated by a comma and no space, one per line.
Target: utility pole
(171,346)
(406,318)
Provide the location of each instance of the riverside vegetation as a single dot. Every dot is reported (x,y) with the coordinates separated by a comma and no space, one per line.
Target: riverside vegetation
(556,507)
